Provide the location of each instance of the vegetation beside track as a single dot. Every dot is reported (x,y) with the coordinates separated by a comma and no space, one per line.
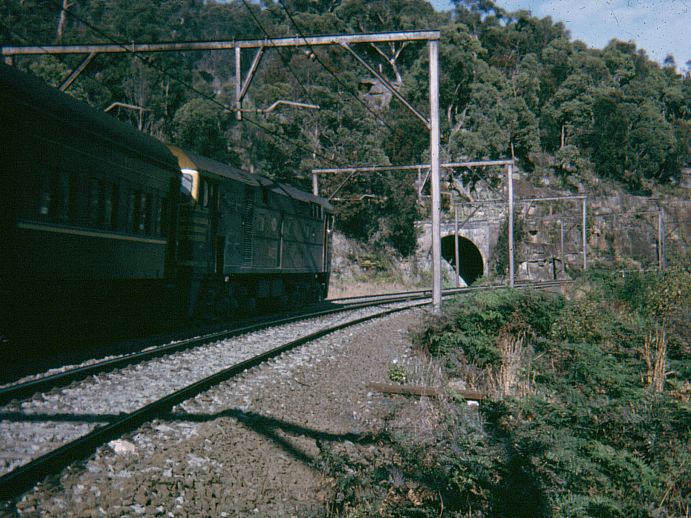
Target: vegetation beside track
(587,415)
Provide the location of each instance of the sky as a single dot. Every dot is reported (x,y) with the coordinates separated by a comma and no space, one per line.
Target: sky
(661,27)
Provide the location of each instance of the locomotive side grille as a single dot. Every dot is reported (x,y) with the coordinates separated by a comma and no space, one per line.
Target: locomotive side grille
(247,223)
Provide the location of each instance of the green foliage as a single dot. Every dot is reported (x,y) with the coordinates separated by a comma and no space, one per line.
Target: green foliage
(471,324)
(510,83)
(591,439)
(398,374)
(197,126)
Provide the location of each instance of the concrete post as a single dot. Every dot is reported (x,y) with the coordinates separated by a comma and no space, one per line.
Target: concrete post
(315,184)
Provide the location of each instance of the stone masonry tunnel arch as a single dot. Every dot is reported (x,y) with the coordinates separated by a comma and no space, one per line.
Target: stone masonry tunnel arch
(470,258)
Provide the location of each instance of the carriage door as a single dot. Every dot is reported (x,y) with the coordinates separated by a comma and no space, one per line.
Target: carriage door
(210,200)
(220,253)
(328,229)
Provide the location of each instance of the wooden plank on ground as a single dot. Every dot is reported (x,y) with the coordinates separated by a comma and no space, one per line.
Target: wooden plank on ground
(412,390)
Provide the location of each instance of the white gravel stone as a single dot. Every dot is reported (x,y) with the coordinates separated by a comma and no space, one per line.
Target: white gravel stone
(128,389)
(122,447)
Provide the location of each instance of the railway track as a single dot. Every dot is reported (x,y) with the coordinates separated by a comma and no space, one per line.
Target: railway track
(55,420)
(51,429)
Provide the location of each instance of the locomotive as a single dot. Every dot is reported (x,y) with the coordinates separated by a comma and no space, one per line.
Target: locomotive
(104,227)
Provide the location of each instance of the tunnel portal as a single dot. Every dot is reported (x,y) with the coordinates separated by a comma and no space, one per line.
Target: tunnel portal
(470,258)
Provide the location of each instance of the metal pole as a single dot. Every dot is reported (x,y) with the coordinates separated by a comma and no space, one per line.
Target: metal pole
(417,167)
(563,257)
(75,73)
(238,83)
(585,237)
(458,261)
(315,184)
(509,179)
(661,240)
(419,182)
(436,187)
(387,85)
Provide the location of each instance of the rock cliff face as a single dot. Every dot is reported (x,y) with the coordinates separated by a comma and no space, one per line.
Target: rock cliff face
(622,231)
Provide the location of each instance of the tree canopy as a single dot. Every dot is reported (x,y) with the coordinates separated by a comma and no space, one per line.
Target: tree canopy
(510,83)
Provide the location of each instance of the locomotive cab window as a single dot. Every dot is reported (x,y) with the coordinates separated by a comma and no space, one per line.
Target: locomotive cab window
(317,211)
(187,187)
(208,194)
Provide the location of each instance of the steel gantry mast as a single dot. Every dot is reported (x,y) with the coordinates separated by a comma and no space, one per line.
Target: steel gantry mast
(9,53)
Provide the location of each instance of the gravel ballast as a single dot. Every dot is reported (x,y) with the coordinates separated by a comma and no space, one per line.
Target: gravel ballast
(251,445)
(38,425)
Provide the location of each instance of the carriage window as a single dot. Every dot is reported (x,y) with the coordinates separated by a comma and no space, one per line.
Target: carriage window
(57,198)
(130,210)
(44,202)
(164,217)
(48,194)
(108,204)
(65,188)
(144,213)
(186,188)
(115,222)
(265,195)
(133,211)
(156,214)
(95,202)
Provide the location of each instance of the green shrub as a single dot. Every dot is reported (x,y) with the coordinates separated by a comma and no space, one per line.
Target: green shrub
(589,439)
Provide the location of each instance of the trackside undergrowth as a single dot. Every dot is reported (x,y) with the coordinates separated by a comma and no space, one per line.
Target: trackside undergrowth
(587,415)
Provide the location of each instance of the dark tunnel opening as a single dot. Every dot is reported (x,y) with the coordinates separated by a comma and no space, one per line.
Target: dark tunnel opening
(470,259)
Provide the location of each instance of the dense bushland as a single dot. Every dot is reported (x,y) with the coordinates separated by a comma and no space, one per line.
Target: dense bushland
(510,83)
(574,425)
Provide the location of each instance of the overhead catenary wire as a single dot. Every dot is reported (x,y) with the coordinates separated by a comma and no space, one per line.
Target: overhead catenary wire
(280,54)
(190,87)
(333,74)
(55,56)
(130,48)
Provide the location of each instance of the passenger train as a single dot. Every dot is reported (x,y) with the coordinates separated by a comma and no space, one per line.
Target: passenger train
(104,227)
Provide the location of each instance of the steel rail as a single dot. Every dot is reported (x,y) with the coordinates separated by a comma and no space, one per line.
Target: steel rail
(61,379)
(24,477)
